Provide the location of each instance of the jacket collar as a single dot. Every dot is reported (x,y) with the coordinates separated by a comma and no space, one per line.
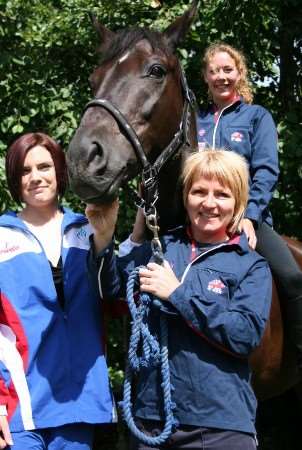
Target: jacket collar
(238,101)
(10,219)
(238,240)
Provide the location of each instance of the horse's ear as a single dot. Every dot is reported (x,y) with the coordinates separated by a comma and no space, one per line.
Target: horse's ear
(176,32)
(104,33)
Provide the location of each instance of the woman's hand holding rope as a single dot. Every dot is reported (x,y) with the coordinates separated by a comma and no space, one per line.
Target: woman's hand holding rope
(158,280)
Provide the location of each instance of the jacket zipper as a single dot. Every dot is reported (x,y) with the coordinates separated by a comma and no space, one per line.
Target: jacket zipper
(199,257)
(217,122)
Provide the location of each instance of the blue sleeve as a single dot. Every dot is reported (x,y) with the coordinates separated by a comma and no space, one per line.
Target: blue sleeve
(139,256)
(109,273)
(235,326)
(103,272)
(264,168)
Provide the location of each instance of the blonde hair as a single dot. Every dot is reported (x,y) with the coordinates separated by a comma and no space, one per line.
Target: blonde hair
(243,86)
(228,168)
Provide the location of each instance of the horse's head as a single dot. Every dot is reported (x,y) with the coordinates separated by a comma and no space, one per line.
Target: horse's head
(140,77)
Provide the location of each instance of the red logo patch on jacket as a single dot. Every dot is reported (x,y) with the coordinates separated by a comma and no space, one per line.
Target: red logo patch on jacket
(237,136)
(216,286)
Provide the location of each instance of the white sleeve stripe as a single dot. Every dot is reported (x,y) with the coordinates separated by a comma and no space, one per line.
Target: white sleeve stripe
(3,410)
(99,278)
(12,360)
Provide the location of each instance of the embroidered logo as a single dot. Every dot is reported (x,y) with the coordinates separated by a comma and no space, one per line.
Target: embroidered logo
(14,242)
(81,234)
(237,136)
(216,286)
(202,132)
(9,248)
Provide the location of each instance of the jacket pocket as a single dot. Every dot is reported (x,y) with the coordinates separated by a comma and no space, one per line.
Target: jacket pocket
(238,140)
(213,284)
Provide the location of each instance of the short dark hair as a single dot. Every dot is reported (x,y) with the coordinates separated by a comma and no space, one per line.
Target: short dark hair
(16,155)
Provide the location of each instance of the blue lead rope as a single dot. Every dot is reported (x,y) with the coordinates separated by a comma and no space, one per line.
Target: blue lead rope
(153,353)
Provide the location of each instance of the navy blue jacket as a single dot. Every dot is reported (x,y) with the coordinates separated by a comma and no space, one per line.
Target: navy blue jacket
(216,317)
(250,131)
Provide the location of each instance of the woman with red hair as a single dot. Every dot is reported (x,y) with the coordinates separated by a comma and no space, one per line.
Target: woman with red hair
(54,383)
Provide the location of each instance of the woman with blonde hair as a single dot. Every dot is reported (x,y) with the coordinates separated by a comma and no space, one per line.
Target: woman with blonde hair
(215,295)
(230,120)
(230,171)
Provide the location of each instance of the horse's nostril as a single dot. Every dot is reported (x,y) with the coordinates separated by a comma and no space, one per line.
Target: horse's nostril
(96,162)
(97,147)
(96,152)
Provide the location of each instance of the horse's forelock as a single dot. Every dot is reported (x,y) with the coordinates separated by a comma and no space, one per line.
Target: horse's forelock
(125,39)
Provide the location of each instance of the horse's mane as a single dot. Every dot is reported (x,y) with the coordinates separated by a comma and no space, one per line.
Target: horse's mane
(126,38)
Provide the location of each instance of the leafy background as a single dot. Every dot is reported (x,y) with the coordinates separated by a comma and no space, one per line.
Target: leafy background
(47,51)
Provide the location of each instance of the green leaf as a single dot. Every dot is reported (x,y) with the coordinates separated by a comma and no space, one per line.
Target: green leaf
(17,128)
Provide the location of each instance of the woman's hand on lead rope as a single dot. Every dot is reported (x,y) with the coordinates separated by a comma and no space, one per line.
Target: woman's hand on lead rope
(103,219)
(5,436)
(247,226)
(158,280)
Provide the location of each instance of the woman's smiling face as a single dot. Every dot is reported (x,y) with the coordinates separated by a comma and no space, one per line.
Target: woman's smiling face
(38,182)
(221,75)
(210,208)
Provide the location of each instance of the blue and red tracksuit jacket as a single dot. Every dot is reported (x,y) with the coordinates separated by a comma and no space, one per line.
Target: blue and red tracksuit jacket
(215,318)
(250,131)
(52,365)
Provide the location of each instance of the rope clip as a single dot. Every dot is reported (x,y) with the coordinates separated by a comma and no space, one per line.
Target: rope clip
(151,222)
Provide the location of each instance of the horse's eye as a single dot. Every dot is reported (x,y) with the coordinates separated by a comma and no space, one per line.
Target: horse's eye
(157,71)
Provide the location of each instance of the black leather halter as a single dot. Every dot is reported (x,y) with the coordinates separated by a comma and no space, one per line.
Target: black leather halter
(150,172)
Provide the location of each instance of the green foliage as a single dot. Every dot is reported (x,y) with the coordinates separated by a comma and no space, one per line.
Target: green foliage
(48,52)
(286,205)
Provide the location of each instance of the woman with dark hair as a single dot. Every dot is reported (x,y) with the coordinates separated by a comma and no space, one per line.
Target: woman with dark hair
(17,153)
(232,121)
(53,376)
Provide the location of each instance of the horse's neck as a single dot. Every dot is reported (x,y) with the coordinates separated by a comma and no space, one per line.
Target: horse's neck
(170,205)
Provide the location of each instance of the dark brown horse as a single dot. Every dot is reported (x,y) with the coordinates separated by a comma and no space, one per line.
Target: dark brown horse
(141,97)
